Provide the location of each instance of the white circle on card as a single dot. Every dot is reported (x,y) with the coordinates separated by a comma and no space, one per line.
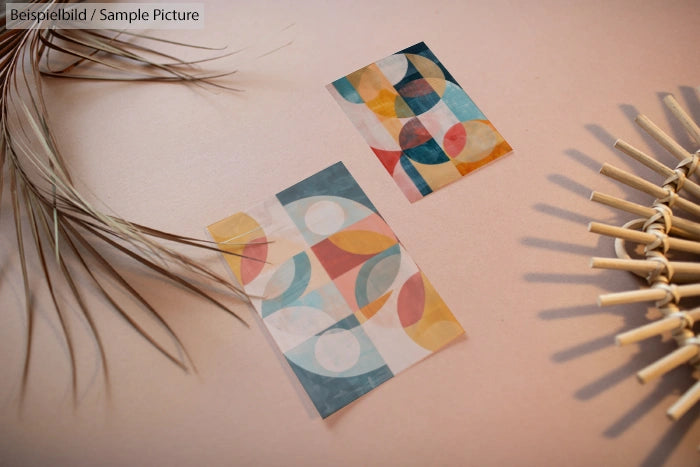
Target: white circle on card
(337,350)
(324,217)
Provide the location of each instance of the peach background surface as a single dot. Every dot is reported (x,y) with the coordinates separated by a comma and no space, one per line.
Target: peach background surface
(537,380)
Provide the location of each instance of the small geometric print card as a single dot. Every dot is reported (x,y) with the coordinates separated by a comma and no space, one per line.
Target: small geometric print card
(341,297)
(419,122)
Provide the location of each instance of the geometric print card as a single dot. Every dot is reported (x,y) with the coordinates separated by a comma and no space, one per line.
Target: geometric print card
(419,122)
(344,302)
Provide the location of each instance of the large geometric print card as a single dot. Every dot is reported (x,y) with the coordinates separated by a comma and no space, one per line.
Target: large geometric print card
(423,127)
(339,294)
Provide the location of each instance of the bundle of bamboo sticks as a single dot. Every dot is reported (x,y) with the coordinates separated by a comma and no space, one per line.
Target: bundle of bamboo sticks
(660,230)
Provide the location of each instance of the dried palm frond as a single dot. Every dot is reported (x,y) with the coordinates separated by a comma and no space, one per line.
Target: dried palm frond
(55,225)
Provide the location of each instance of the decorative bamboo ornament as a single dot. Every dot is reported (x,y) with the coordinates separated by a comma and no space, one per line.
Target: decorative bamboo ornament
(660,230)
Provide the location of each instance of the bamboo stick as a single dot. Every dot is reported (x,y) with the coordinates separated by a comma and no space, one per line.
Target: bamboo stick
(654,328)
(631,296)
(648,161)
(631,265)
(667,363)
(690,126)
(682,227)
(645,295)
(647,187)
(685,402)
(643,158)
(662,138)
(681,268)
(621,232)
(677,244)
(633,181)
(622,204)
